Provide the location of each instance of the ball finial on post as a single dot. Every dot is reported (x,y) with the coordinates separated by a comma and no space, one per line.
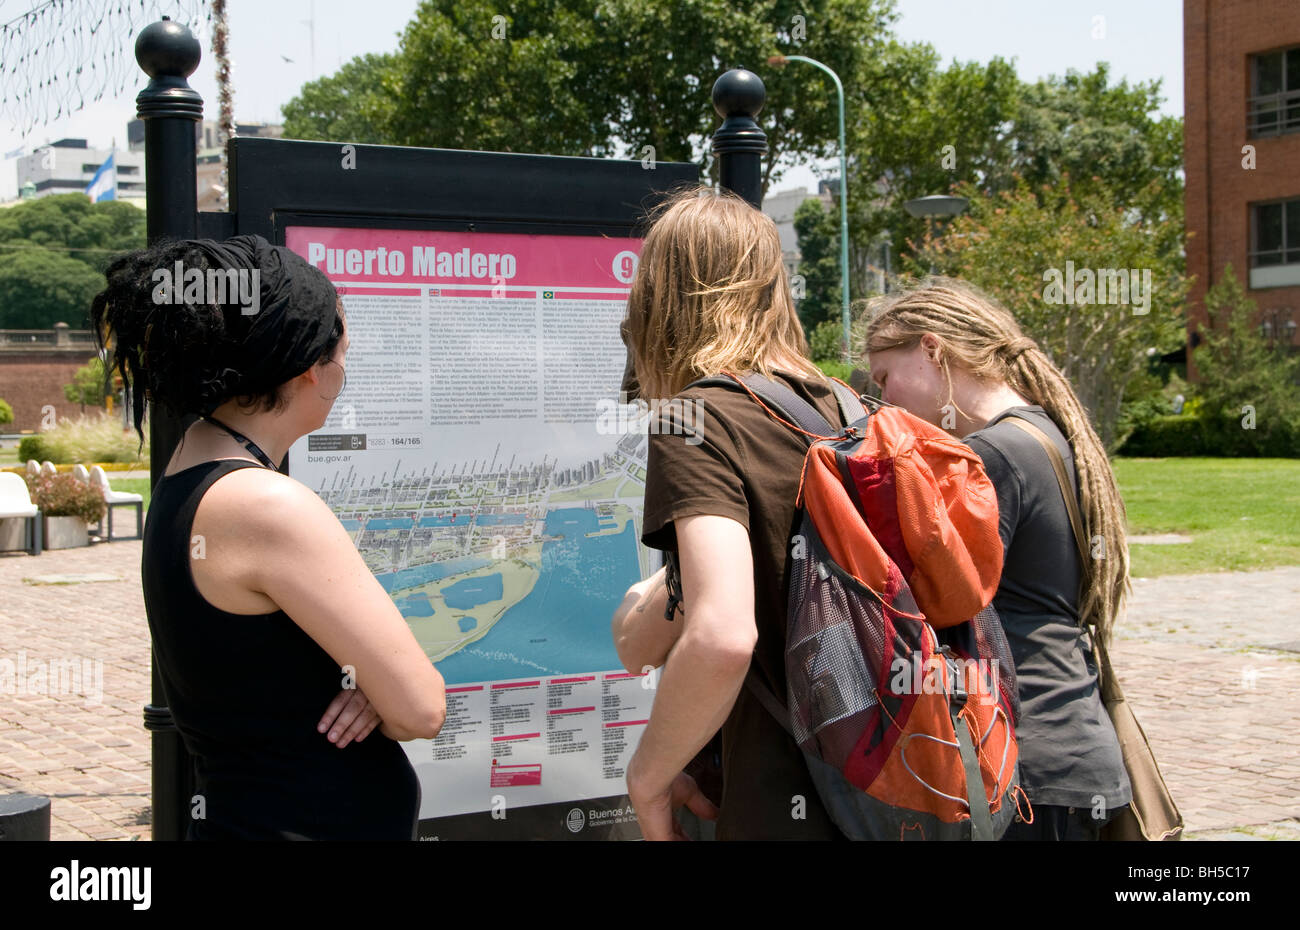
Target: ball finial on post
(168,52)
(167,49)
(739,144)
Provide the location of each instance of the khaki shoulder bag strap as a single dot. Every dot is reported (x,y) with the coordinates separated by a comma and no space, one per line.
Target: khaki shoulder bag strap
(1109,686)
(1152,814)
(1071,499)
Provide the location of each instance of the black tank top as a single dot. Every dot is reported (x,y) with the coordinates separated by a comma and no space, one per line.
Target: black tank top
(246,692)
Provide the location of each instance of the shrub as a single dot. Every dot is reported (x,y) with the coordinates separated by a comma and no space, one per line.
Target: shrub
(94,437)
(826,342)
(6,412)
(1148,400)
(840,370)
(1167,435)
(63,495)
(1195,435)
(1247,381)
(1235,434)
(87,387)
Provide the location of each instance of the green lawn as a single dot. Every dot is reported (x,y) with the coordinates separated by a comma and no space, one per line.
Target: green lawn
(1241,513)
(131,486)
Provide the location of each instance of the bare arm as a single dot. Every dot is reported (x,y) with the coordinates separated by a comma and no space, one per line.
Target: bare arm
(707,668)
(308,566)
(642,636)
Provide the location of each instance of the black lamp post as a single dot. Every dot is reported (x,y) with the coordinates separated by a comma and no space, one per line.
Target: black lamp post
(169,107)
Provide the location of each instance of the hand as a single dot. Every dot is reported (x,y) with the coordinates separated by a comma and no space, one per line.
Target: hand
(349,717)
(655,809)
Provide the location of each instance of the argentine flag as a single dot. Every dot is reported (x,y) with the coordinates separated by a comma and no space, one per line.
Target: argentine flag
(103,186)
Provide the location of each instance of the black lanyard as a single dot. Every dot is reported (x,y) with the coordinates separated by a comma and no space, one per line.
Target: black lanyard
(248,443)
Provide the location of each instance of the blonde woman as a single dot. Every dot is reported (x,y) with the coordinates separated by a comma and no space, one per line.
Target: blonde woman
(710,296)
(955,358)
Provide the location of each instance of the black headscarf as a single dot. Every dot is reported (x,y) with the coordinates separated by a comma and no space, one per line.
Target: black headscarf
(286,335)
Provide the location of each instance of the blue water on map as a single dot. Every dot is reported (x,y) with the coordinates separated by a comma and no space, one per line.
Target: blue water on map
(423,574)
(417,605)
(562,626)
(473,591)
(466,623)
(351,524)
(461,519)
(390,523)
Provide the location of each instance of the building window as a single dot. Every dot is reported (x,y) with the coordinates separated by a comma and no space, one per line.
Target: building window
(1274,106)
(1275,244)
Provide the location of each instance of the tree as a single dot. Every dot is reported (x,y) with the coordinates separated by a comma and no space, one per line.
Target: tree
(53,252)
(6,411)
(979,125)
(819,263)
(91,233)
(940,128)
(1247,381)
(87,385)
(599,77)
(1055,257)
(1099,134)
(39,288)
(354,105)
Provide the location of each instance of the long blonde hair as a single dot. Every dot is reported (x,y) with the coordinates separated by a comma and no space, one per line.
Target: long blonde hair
(711,294)
(984,339)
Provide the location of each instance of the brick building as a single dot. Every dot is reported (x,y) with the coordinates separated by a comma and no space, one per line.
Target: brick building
(34,366)
(1241,66)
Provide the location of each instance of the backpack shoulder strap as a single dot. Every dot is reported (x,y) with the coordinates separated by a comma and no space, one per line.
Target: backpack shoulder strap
(851,406)
(771,703)
(790,406)
(783,401)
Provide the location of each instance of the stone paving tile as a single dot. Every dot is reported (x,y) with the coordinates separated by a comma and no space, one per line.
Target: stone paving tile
(83,745)
(1220,707)
(1195,655)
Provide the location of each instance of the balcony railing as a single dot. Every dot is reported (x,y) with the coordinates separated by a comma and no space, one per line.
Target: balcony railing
(79,339)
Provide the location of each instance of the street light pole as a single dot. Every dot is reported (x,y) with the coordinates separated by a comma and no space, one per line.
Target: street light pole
(844,194)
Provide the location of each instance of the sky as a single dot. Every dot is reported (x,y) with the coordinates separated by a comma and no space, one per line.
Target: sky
(1141,39)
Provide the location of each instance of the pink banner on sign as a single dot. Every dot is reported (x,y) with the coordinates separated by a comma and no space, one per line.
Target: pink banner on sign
(500,260)
(513,776)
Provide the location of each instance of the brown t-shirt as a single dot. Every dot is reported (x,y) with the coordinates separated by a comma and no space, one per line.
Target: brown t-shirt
(745,466)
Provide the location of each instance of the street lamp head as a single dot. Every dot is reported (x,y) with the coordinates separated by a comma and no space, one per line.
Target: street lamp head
(936,205)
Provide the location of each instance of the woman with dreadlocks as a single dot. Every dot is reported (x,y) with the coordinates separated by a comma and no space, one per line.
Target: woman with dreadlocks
(953,357)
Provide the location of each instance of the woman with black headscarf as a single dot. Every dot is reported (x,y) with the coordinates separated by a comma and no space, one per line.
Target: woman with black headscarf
(262,611)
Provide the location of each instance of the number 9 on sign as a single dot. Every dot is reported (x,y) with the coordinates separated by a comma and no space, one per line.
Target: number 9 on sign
(625,266)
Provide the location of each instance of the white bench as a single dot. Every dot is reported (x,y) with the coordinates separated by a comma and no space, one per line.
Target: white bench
(16,503)
(118,499)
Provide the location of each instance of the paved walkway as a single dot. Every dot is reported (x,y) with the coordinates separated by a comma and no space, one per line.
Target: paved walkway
(1211,662)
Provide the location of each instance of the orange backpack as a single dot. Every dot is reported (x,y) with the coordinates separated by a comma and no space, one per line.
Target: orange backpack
(901,689)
